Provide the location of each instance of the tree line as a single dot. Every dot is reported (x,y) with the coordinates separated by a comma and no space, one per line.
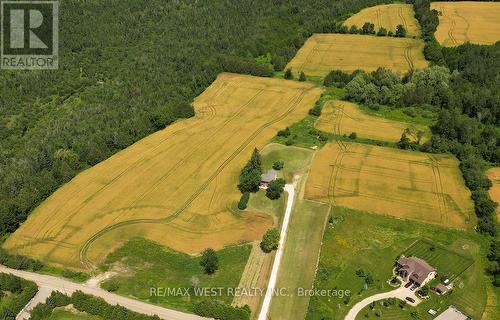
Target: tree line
(88,304)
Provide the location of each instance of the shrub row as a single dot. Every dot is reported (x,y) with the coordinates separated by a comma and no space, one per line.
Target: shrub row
(89,304)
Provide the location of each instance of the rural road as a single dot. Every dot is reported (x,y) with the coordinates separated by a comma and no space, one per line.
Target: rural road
(400,293)
(47,284)
(290,189)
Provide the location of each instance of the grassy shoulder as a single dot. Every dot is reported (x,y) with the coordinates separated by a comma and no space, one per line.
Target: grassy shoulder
(360,241)
(144,265)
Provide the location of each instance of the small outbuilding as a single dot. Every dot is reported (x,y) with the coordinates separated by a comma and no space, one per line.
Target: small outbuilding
(268,177)
(442,289)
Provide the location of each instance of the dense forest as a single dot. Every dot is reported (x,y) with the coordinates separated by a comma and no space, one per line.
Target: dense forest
(129,68)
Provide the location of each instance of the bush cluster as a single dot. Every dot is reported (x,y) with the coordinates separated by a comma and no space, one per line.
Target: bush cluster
(22,292)
(219,310)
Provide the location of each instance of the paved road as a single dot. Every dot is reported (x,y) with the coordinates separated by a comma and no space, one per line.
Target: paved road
(290,188)
(49,283)
(400,293)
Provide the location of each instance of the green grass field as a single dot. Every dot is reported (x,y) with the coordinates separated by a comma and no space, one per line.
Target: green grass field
(66,315)
(359,240)
(449,264)
(145,264)
(296,159)
(300,259)
(410,115)
(387,312)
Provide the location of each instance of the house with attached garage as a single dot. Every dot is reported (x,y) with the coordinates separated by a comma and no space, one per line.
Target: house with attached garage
(415,270)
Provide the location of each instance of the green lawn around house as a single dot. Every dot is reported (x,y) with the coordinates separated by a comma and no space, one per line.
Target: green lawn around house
(448,263)
(359,242)
(296,160)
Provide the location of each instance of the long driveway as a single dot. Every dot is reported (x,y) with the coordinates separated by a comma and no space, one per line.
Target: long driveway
(290,189)
(400,293)
(47,284)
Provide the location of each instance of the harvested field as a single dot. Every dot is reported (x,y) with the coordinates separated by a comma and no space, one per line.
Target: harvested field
(467,21)
(255,275)
(342,117)
(176,187)
(323,53)
(405,184)
(387,16)
(494,176)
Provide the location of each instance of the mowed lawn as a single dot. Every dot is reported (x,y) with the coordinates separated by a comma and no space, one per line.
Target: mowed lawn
(361,241)
(494,176)
(176,187)
(322,53)
(388,16)
(387,181)
(343,118)
(300,259)
(143,265)
(449,264)
(467,21)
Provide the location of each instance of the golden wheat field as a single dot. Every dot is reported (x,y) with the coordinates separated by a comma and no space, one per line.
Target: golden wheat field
(176,187)
(388,16)
(494,176)
(323,53)
(342,117)
(419,186)
(467,21)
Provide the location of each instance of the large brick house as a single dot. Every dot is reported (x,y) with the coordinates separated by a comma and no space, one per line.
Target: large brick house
(415,270)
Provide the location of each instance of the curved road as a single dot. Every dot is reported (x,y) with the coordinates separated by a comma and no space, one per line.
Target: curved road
(47,284)
(400,293)
(290,189)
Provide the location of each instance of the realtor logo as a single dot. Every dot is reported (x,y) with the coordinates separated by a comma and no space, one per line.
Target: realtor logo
(29,35)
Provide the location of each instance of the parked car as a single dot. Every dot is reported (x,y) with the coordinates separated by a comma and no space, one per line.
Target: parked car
(408,284)
(414,287)
(410,299)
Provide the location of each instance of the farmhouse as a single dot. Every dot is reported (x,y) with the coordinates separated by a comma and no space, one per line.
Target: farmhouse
(414,270)
(268,177)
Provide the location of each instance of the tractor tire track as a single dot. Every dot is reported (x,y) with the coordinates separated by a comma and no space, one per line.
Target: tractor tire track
(212,113)
(408,57)
(402,18)
(87,244)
